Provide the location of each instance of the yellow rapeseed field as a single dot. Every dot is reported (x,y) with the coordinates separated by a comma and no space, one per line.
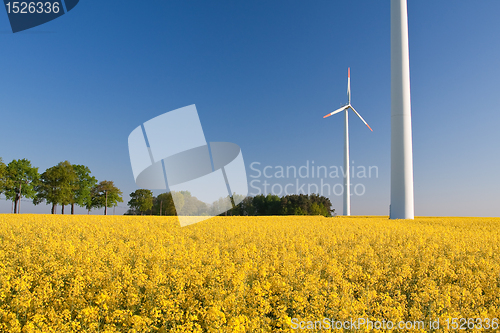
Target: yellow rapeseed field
(243,274)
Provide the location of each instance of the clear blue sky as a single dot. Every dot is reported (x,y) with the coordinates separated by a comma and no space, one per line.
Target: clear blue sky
(262,74)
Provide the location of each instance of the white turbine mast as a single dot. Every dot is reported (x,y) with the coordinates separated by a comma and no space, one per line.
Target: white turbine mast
(402,204)
(347,175)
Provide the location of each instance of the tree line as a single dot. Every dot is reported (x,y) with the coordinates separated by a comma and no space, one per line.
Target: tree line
(143,202)
(61,185)
(66,184)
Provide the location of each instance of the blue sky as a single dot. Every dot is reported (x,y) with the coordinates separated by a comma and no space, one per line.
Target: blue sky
(262,74)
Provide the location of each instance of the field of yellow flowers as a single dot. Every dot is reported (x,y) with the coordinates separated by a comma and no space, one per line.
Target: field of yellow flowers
(241,274)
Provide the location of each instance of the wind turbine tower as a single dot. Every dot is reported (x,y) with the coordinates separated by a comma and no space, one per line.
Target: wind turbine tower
(402,204)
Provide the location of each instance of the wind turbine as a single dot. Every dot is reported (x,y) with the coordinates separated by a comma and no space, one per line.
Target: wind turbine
(347,176)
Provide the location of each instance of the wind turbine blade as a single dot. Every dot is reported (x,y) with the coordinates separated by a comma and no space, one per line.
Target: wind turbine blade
(360,117)
(349,84)
(336,111)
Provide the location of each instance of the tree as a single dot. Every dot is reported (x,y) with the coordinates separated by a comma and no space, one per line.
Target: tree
(293,204)
(246,207)
(92,202)
(237,210)
(267,205)
(57,186)
(322,202)
(21,178)
(221,206)
(3,171)
(164,204)
(105,194)
(318,209)
(141,200)
(82,196)
(189,205)
(67,185)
